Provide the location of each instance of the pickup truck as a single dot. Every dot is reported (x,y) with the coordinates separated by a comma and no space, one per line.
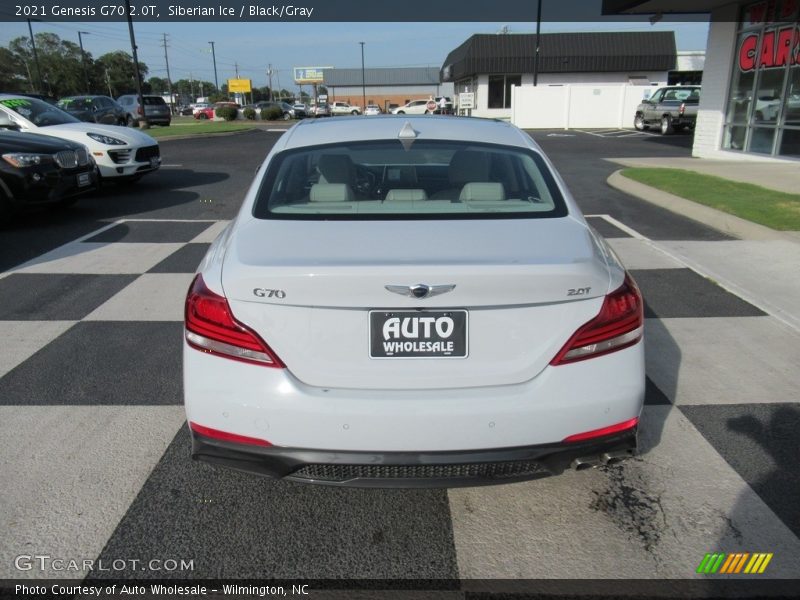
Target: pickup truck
(669,108)
(343,108)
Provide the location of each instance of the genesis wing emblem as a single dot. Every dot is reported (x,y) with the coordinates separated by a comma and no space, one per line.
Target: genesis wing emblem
(420,290)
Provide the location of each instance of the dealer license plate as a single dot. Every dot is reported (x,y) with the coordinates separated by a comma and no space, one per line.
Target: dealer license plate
(418,334)
(83,179)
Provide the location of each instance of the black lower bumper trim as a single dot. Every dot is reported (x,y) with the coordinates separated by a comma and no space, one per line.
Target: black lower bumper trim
(412,469)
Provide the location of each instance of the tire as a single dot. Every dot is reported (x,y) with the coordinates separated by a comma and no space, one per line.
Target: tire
(639,123)
(130,122)
(354,112)
(202,116)
(666,125)
(286,116)
(400,112)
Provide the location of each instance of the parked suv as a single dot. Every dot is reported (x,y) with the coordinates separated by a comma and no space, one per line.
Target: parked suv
(94,109)
(344,108)
(156,111)
(38,169)
(415,107)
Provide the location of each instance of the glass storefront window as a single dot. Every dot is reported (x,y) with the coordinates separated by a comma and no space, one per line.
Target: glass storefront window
(790,144)
(764,95)
(761,139)
(793,97)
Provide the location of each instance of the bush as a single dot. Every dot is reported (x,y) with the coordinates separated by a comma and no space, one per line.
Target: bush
(272,113)
(249,114)
(228,113)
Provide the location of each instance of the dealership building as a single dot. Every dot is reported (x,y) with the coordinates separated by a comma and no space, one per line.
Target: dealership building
(489,65)
(750,101)
(384,87)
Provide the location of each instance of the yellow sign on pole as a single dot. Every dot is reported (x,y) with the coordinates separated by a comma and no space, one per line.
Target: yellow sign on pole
(238,86)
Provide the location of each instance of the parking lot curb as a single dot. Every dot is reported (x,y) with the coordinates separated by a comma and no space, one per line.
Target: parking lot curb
(722,221)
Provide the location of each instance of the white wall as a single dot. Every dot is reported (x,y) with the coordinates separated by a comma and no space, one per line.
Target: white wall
(576,106)
(559,79)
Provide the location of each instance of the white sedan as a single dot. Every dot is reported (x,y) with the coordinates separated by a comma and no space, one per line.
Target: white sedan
(120,152)
(411,302)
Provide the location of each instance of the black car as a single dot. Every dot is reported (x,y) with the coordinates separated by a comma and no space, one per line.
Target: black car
(37,170)
(94,109)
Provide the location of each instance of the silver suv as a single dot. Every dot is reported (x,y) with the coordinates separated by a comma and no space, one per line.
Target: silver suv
(156,111)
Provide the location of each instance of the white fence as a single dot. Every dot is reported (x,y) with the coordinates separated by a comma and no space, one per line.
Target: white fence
(576,106)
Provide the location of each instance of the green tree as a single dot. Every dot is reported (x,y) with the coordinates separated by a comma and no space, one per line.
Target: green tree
(12,74)
(59,61)
(157,85)
(117,68)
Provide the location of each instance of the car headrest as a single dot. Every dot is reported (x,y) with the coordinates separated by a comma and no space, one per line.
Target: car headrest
(486,192)
(331,192)
(467,166)
(335,168)
(406,195)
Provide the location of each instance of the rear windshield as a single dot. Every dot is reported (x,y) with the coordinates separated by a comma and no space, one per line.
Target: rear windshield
(153,100)
(428,180)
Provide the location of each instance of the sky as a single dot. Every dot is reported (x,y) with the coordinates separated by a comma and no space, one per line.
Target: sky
(253,46)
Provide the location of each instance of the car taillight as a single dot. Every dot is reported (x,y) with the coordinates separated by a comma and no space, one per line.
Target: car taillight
(617,326)
(610,430)
(216,434)
(211,327)
(682,108)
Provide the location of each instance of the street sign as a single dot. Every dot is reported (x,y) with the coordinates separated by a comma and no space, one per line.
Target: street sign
(308,74)
(239,86)
(466,100)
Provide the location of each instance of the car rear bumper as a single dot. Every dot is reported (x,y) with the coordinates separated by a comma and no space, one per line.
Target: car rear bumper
(415,469)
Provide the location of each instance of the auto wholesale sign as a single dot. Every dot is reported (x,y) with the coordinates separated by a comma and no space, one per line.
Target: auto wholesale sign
(773,47)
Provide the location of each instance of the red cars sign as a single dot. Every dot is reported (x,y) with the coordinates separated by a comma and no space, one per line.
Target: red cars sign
(775,47)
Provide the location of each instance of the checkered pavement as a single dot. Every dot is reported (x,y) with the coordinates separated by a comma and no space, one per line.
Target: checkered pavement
(95,452)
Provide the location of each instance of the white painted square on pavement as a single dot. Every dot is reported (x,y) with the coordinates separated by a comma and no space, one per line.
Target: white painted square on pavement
(151,297)
(100,258)
(651,517)
(69,475)
(640,254)
(22,339)
(723,360)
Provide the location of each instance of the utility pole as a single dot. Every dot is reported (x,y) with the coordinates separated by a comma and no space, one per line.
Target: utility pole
(363,83)
(35,58)
(169,80)
(83,62)
(538,30)
(214,56)
(108,83)
(191,87)
(142,118)
(269,74)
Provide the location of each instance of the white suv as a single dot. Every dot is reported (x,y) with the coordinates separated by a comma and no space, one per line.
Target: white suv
(343,108)
(415,107)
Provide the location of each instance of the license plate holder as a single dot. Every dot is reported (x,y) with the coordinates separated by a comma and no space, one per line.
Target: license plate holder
(397,334)
(83,179)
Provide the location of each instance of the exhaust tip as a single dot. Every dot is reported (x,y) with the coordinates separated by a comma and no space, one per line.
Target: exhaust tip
(585,462)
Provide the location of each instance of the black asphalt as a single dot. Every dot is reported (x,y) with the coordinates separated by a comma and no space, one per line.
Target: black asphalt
(237,525)
(102,363)
(202,178)
(581,160)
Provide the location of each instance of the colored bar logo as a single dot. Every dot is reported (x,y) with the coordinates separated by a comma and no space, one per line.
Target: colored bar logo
(734,564)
